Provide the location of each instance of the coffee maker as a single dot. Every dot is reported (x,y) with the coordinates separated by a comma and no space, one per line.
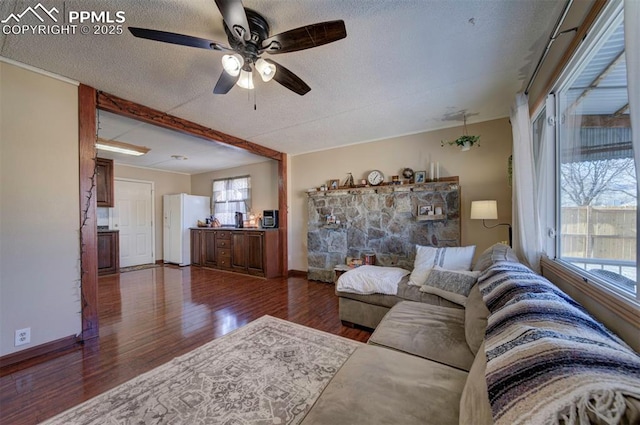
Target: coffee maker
(239,220)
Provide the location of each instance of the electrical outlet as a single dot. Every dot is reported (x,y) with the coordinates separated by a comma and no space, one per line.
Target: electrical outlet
(23,336)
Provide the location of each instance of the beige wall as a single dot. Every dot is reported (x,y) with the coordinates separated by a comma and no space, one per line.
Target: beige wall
(264,183)
(165,183)
(482,172)
(39,224)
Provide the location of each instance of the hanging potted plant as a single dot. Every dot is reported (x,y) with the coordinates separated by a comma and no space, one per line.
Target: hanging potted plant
(465,142)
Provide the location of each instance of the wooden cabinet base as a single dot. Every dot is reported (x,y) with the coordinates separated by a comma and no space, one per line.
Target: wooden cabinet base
(250,251)
(108,252)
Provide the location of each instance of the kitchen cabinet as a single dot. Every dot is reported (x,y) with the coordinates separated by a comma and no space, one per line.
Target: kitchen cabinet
(108,252)
(222,249)
(104,183)
(248,251)
(196,247)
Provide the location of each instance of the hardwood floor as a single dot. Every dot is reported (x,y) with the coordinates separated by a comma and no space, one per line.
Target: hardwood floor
(148,317)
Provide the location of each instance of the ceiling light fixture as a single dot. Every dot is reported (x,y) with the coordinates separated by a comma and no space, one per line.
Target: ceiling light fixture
(120,147)
(246,78)
(236,66)
(232,64)
(266,69)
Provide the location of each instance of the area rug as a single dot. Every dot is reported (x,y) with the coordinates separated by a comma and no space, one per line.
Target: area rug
(140,267)
(269,371)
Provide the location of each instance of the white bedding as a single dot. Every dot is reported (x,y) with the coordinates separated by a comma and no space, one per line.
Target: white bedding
(371,280)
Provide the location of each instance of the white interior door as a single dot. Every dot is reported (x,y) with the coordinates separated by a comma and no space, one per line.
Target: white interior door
(133,216)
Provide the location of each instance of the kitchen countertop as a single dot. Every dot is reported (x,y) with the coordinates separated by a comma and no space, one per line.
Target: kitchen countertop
(235,229)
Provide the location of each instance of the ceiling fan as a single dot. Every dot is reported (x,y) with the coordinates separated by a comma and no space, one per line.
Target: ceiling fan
(248,36)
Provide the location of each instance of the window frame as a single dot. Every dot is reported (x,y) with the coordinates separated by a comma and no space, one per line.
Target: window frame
(247,200)
(604,26)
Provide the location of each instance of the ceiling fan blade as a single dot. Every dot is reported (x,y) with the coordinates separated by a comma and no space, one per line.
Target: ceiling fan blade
(289,79)
(173,38)
(305,37)
(235,18)
(225,83)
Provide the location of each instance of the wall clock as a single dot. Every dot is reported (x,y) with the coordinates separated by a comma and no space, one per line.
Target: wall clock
(375,177)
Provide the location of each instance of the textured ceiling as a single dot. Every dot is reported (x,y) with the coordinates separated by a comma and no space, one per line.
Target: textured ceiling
(405,67)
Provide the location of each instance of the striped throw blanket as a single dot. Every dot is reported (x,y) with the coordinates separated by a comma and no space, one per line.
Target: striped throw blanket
(548,360)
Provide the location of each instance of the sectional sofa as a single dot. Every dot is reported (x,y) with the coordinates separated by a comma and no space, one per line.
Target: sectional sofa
(519,351)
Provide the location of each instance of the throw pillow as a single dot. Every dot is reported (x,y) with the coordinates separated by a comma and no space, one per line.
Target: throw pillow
(450,258)
(452,285)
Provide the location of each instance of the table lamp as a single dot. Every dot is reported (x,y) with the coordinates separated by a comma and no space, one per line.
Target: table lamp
(488,210)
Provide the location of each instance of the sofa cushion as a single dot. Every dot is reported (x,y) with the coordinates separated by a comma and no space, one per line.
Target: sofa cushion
(383,386)
(493,254)
(452,285)
(474,404)
(475,319)
(405,292)
(433,332)
(451,258)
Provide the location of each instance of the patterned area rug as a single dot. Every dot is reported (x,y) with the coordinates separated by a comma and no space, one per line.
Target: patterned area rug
(269,371)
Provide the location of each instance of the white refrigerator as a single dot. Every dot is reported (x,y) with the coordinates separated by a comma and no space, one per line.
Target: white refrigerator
(181,212)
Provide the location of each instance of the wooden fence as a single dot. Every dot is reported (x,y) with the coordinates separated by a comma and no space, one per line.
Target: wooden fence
(599,232)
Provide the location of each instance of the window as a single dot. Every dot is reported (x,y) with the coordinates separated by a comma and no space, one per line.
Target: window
(231,196)
(596,203)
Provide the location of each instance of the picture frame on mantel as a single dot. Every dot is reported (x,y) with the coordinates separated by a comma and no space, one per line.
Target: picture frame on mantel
(420,177)
(334,184)
(425,209)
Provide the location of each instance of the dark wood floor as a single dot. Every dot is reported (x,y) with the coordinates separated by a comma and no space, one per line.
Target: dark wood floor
(148,317)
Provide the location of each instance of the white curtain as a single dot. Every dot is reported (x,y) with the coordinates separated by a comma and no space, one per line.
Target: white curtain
(231,196)
(632,50)
(526,228)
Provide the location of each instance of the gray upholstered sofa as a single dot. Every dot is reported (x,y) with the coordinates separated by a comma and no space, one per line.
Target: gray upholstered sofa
(368,310)
(427,364)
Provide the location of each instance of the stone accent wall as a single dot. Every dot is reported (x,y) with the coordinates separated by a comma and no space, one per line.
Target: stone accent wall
(382,220)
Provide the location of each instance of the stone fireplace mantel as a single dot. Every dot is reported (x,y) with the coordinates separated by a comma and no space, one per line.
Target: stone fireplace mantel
(385,220)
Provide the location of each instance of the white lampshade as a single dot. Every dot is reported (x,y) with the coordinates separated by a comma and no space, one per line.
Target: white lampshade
(265,69)
(484,210)
(232,64)
(246,79)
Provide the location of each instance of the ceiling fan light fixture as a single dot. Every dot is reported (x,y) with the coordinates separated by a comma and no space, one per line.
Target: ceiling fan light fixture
(265,69)
(246,79)
(232,64)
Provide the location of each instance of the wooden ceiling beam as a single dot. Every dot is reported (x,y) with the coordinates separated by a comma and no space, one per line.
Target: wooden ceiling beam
(117,105)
